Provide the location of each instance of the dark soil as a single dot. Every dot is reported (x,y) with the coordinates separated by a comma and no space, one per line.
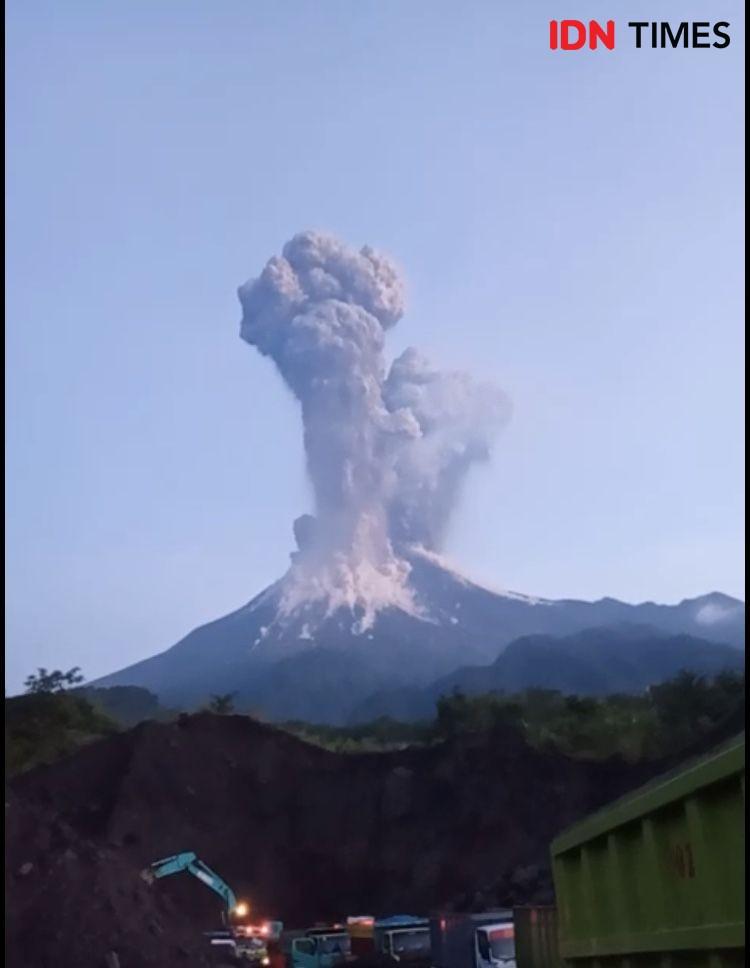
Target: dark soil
(302,833)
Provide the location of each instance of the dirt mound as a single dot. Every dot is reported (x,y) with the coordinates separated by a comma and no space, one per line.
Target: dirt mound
(72,901)
(302,833)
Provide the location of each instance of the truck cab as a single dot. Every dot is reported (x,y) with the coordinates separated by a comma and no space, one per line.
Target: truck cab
(494,946)
(321,948)
(485,940)
(410,944)
(378,942)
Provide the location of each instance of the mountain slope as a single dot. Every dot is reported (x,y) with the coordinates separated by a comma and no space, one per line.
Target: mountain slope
(278,661)
(598,661)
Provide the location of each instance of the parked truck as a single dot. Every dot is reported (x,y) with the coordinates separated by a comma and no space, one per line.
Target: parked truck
(656,878)
(404,938)
(383,941)
(320,947)
(473,940)
(537,944)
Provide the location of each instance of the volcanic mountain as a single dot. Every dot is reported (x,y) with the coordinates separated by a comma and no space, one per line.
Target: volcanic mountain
(367,604)
(321,659)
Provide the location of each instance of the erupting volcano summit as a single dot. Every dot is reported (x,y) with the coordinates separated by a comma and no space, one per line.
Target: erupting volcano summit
(386,451)
(368,604)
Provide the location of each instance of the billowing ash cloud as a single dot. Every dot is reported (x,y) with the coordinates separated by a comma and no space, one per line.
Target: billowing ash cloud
(457,419)
(386,455)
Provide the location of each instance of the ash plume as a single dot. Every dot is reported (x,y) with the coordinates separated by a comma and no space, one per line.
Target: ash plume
(386,454)
(458,418)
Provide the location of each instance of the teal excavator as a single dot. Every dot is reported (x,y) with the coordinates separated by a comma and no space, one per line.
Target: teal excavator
(190,863)
(248,941)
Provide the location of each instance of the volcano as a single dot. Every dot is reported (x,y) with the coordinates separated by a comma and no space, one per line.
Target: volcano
(321,659)
(368,604)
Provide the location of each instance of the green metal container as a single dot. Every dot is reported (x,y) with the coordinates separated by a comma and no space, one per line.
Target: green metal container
(536,937)
(658,877)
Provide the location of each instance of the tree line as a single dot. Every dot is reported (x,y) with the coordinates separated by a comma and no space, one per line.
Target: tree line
(57,714)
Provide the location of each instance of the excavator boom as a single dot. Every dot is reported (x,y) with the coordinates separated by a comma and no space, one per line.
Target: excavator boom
(189,862)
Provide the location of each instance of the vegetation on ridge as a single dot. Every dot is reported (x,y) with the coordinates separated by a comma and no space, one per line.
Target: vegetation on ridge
(56,716)
(664,719)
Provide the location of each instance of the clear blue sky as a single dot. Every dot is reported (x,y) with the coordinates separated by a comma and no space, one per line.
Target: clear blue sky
(570,225)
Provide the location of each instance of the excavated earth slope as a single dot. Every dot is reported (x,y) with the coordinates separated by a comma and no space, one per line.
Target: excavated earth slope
(302,833)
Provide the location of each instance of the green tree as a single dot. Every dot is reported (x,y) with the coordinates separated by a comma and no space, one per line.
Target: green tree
(56,681)
(222,704)
(48,722)
(689,704)
(454,714)
(729,689)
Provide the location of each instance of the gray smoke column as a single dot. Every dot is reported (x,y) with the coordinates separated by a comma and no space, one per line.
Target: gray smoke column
(386,456)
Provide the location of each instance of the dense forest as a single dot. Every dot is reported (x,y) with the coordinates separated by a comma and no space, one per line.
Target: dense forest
(667,717)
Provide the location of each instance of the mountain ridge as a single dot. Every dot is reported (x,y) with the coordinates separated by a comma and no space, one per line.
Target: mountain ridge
(593,662)
(260,651)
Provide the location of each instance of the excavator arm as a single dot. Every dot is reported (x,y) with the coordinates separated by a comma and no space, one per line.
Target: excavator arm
(190,863)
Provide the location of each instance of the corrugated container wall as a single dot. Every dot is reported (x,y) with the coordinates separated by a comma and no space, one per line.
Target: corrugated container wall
(658,878)
(536,937)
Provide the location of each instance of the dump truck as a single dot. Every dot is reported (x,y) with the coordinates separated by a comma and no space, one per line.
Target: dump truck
(537,944)
(484,940)
(382,941)
(656,878)
(361,931)
(404,938)
(320,947)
